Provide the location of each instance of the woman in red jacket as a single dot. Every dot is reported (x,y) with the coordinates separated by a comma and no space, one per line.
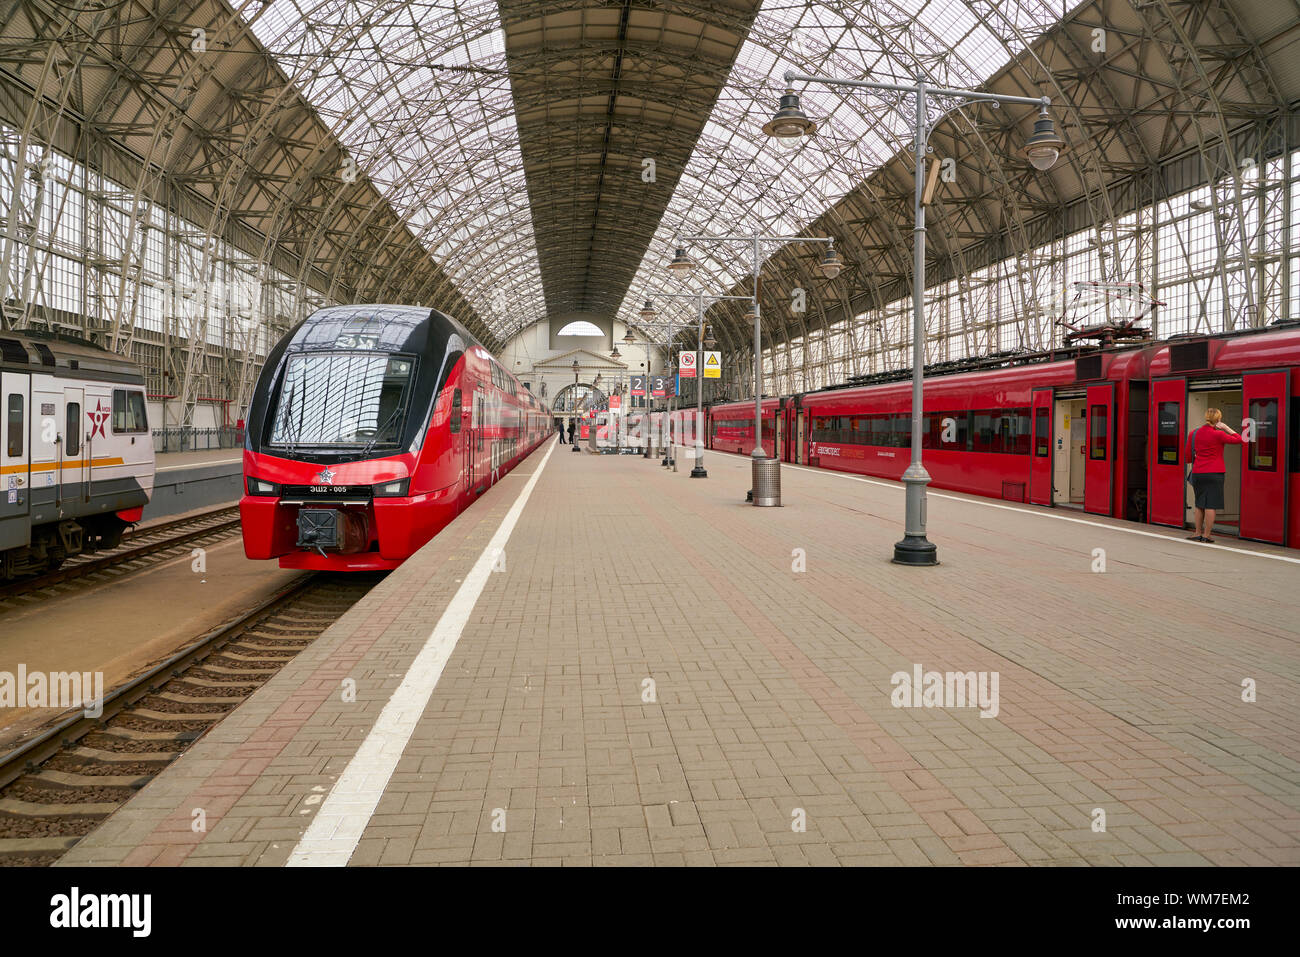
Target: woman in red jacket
(1205,452)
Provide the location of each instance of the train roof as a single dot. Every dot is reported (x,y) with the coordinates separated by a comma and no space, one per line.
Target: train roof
(35,351)
(388,326)
(1014,359)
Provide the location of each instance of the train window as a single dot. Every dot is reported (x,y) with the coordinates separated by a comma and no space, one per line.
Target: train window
(954,430)
(129,412)
(982,432)
(901,431)
(457,405)
(1023,438)
(343,399)
(1263,451)
(1169,432)
(1042,433)
(72,439)
(15,424)
(1097,429)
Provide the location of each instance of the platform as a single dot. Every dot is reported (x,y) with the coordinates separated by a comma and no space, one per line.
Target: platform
(518,726)
(185,481)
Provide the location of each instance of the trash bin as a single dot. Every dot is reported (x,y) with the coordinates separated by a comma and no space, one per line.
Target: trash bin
(767,481)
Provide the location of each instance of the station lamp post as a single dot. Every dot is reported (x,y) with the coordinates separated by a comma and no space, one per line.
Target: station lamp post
(830,267)
(701,344)
(1042,149)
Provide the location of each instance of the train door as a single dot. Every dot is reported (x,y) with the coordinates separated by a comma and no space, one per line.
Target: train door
(14,523)
(1040,462)
(45,434)
(1264,460)
(779,433)
(1099,472)
(73,471)
(801,437)
(482,450)
(1167,475)
(1069,452)
(461,435)
(1227,520)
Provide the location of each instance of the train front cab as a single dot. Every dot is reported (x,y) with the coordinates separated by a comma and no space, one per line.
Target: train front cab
(1260,480)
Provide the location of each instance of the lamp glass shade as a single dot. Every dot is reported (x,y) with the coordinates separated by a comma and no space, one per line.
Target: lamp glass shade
(1044,146)
(831,264)
(681,262)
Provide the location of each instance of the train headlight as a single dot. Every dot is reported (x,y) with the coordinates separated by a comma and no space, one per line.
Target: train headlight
(396,489)
(257,486)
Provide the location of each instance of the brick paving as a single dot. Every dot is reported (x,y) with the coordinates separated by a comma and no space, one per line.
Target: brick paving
(771,737)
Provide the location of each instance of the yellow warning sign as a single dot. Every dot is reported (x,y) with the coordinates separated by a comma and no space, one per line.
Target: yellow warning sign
(713,365)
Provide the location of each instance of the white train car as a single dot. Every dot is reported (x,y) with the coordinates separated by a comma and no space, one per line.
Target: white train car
(76,460)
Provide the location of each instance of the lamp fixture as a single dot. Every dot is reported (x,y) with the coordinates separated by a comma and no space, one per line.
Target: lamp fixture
(789,123)
(1045,146)
(681,263)
(831,264)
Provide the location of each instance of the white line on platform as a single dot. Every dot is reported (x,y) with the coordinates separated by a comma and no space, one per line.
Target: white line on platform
(195,465)
(332,836)
(1033,512)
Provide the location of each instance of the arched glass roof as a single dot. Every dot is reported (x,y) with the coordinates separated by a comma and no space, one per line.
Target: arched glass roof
(424,96)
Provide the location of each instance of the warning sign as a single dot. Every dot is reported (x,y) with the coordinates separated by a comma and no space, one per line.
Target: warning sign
(686,365)
(713,365)
(615,403)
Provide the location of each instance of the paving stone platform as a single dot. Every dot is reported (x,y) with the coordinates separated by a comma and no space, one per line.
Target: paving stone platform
(773,638)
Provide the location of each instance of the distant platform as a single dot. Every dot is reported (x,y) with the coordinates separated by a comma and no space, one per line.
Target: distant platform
(186,481)
(607,662)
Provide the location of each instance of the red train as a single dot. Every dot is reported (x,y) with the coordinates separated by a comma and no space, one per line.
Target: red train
(370,429)
(1102,431)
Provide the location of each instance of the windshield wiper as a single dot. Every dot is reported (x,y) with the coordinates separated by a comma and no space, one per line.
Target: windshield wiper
(380,431)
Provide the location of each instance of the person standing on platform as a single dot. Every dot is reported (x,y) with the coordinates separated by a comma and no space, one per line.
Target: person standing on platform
(572,422)
(1205,452)
(559,426)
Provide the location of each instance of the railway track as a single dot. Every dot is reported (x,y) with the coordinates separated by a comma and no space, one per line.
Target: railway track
(60,786)
(138,549)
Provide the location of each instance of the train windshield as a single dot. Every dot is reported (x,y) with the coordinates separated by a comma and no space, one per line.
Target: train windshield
(343,399)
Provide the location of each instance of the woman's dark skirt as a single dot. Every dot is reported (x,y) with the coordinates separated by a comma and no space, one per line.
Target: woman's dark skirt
(1209,489)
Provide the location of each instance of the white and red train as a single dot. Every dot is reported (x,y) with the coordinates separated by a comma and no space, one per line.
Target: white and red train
(370,429)
(1100,430)
(77,461)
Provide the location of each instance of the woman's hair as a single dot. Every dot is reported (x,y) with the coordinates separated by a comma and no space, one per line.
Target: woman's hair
(1212,416)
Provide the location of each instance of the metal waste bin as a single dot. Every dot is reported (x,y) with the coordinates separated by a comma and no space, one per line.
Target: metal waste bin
(767,481)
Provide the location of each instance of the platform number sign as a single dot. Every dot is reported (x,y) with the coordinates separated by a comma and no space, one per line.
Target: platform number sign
(638,385)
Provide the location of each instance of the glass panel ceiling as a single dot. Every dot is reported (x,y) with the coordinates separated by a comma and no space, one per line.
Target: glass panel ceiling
(442,147)
(739,181)
(439,144)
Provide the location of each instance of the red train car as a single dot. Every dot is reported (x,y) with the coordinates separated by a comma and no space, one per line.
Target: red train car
(371,427)
(1103,431)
